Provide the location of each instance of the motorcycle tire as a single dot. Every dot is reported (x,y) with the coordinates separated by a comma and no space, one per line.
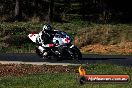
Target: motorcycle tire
(76,54)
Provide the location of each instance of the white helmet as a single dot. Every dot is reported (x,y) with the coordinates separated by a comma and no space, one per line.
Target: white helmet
(47,28)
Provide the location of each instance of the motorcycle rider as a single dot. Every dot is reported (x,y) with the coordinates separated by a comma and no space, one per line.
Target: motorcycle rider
(44,38)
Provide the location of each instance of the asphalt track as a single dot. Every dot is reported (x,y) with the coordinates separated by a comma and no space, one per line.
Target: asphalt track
(87,59)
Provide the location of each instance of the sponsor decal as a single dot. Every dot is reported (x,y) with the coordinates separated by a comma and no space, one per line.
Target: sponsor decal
(32,34)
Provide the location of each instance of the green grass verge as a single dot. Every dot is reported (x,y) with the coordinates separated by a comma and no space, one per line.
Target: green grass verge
(66,80)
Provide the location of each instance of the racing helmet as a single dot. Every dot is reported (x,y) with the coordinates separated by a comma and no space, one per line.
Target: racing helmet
(47,28)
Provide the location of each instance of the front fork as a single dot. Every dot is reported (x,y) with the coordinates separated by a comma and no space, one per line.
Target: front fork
(40,48)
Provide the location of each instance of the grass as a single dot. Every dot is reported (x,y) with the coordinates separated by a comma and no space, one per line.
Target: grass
(66,80)
(14,35)
(103,34)
(40,81)
(109,53)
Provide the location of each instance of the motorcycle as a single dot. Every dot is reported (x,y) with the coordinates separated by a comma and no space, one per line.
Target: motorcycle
(62,49)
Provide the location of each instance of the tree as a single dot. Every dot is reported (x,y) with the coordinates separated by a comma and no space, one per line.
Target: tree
(51,9)
(18,11)
(36,2)
(83,8)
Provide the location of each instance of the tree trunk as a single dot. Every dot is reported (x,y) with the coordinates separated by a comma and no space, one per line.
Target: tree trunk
(83,9)
(51,8)
(36,2)
(18,12)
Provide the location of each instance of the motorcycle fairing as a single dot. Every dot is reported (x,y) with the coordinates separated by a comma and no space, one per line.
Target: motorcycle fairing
(33,37)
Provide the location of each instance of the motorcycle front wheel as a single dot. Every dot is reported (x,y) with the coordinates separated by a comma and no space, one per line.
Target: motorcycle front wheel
(76,53)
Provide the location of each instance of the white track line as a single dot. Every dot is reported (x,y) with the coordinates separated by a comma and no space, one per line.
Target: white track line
(36,63)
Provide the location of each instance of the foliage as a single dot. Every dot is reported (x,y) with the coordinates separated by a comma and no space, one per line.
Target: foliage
(101,11)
